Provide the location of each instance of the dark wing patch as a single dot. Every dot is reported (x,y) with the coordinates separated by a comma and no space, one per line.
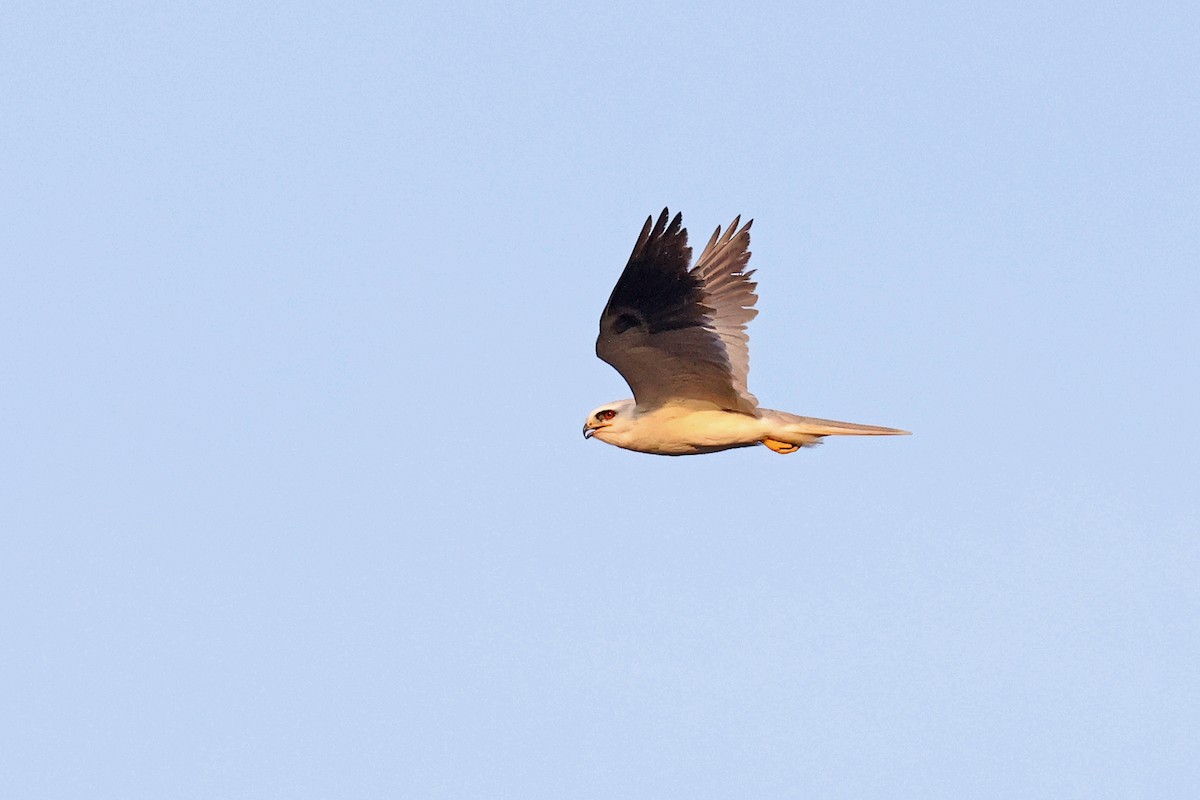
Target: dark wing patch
(625,321)
(655,290)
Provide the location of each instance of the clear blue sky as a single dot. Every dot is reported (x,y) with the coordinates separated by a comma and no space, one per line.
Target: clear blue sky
(297,315)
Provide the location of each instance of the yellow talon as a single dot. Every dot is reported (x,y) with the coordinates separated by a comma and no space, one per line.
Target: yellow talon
(783,448)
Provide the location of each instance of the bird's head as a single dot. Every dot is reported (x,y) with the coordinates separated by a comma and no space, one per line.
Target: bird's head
(608,420)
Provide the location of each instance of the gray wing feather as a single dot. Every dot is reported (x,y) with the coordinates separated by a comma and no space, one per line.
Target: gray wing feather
(676,334)
(730,294)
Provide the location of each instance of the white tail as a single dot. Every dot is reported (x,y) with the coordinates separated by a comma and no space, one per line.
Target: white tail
(807,431)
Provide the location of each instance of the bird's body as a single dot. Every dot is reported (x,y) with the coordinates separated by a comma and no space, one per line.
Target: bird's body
(684,429)
(681,429)
(678,337)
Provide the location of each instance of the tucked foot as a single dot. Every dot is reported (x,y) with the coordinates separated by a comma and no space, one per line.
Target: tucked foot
(783,448)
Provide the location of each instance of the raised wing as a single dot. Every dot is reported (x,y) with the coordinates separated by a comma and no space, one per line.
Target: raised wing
(680,335)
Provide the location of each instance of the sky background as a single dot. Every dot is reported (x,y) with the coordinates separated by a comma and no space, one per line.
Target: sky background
(296,331)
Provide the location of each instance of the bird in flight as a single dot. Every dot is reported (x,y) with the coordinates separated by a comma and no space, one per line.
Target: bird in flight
(678,338)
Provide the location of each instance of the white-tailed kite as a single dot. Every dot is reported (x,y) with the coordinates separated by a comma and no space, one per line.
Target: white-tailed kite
(678,337)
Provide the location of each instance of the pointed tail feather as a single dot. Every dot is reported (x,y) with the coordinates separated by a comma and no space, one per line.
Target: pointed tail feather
(829,427)
(806,431)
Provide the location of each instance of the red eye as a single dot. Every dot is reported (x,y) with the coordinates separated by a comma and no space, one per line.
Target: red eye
(605,415)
